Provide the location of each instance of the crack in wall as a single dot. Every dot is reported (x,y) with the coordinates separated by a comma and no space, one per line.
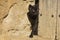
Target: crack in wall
(7,12)
(56,22)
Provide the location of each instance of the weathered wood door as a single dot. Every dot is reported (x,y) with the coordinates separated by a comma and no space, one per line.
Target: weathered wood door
(47,19)
(58,20)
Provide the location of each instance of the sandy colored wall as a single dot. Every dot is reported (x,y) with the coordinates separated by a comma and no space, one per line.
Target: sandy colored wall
(16,25)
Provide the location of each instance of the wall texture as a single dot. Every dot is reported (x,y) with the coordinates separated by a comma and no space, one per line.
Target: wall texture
(14,24)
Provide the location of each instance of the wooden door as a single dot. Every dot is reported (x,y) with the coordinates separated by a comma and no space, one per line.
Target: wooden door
(47,19)
(58,20)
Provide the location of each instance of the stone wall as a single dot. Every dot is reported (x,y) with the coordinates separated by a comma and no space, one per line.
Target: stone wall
(14,24)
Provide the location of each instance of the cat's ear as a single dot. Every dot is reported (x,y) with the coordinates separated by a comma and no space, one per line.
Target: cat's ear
(30,7)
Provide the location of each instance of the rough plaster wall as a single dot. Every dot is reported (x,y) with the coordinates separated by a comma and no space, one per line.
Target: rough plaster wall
(16,25)
(3,8)
(17,18)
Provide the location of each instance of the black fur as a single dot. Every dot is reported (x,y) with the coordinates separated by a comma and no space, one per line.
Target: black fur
(33,18)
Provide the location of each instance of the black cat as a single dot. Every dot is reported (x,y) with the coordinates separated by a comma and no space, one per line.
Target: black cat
(33,18)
